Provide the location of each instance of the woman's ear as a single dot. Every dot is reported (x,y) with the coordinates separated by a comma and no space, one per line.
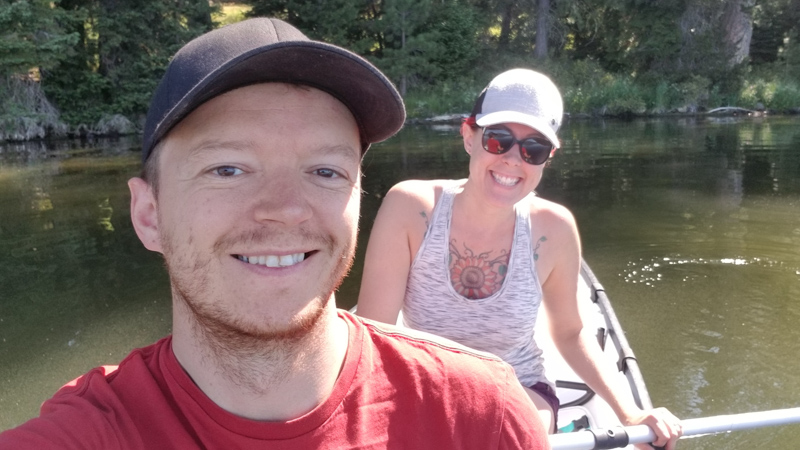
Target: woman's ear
(144,214)
(468,134)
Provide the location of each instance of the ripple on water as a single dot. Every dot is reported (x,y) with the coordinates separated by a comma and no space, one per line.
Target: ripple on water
(648,271)
(731,322)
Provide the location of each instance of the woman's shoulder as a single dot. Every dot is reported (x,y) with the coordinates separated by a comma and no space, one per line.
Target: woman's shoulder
(548,212)
(424,186)
(419,192)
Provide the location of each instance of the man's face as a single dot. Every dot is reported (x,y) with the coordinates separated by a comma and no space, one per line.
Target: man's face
(257,208)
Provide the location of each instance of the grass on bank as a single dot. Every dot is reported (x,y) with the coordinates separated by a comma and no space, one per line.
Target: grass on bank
(589,90)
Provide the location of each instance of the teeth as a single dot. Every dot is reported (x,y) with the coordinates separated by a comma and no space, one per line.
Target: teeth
(505,181)
(274,260)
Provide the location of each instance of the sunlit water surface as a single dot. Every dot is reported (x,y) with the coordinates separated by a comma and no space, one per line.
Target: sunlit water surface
(692,225)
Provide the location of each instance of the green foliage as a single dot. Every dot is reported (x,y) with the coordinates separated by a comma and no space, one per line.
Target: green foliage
(123,50)
(31,36)
(98,58)
(456,39)
(774,21)
(448,97)
(339,22)
(618,97)
(229,13)
(786,97)
(780,96)
(407,43)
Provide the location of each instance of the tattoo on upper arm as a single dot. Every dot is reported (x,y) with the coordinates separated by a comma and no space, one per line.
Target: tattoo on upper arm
(536,249)
(476,276)
(424,216)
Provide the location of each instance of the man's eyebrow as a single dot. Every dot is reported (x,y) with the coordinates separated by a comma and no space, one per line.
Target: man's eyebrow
(342,150)
(210,145)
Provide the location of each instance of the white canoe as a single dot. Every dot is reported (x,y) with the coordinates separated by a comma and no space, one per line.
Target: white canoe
(580,407)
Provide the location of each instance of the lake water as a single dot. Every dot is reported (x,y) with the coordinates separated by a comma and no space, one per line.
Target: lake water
(692,225)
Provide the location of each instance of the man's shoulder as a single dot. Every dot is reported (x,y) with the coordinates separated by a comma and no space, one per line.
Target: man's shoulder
(137,361)
(422,349)
(436,384)
(93,410)
(422,339)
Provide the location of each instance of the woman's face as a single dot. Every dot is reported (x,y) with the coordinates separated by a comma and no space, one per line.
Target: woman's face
(505,179)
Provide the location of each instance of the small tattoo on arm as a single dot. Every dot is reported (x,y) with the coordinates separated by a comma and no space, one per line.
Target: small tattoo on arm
(424,216)
(536,249)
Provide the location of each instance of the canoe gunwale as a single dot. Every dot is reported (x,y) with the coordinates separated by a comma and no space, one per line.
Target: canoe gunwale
(627,363)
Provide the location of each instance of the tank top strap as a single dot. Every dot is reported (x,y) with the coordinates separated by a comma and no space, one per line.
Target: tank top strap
(523,242)
(443,211)
(438,225)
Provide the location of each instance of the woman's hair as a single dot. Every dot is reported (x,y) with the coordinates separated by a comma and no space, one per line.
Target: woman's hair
(470,121)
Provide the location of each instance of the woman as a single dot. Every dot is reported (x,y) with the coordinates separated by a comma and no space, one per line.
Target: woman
(472,260)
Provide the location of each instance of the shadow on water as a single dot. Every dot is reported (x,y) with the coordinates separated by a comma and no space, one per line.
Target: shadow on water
(692,225)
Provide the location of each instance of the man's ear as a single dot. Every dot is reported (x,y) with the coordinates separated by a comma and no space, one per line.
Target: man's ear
(144,214)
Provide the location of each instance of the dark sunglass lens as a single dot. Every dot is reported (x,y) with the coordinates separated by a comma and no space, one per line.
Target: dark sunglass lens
(534,152)
(497,141)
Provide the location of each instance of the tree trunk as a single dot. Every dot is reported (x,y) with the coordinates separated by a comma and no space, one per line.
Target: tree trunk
(404,78)
(738,28)
(505,25)
(542,29)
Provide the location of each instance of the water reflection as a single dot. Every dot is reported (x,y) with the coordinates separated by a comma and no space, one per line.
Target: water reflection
(692,225)
(77,289)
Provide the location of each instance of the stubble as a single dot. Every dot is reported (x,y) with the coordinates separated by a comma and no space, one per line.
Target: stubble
(250,354)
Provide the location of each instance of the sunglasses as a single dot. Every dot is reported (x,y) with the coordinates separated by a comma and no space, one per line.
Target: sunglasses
(532,150)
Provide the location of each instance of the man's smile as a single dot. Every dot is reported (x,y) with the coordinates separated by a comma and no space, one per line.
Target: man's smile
(275,260)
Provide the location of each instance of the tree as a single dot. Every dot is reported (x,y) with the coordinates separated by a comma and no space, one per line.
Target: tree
(776,28)
(123,49)
(32,37)
(340,22)
(542,29)
(31,40)
(737,23)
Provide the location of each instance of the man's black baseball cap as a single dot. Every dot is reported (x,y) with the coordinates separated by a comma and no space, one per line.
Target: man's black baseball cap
(270,50)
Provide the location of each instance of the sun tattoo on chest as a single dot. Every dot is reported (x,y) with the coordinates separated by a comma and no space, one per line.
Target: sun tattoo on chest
(476,276)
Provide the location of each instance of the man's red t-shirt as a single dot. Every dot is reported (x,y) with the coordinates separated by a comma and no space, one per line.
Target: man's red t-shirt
(395,390)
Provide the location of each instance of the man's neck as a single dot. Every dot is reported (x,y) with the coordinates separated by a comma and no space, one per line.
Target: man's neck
(274,380)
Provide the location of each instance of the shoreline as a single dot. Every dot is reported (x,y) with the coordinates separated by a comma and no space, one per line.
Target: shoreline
(83,132)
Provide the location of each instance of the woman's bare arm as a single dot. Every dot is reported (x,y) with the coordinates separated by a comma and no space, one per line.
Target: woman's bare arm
(577,344)
(397,229)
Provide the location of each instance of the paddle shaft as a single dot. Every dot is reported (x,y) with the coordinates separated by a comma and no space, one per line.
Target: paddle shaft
(640,434)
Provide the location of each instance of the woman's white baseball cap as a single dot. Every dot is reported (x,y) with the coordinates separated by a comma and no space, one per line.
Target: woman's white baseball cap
(521,96)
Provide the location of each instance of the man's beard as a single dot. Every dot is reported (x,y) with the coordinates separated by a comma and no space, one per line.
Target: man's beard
(239,346)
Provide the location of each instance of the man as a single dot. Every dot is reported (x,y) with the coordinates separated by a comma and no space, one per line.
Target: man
(251,191)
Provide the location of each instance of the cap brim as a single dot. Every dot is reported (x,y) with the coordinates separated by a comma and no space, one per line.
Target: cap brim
(368,94)
(538,124)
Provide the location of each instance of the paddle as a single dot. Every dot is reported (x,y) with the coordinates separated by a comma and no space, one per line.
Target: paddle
(639,434)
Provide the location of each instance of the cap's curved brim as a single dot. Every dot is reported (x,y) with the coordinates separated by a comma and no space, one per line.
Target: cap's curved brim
(367,93)
(537,123)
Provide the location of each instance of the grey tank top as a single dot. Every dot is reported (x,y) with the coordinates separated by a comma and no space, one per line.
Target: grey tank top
(502,323)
